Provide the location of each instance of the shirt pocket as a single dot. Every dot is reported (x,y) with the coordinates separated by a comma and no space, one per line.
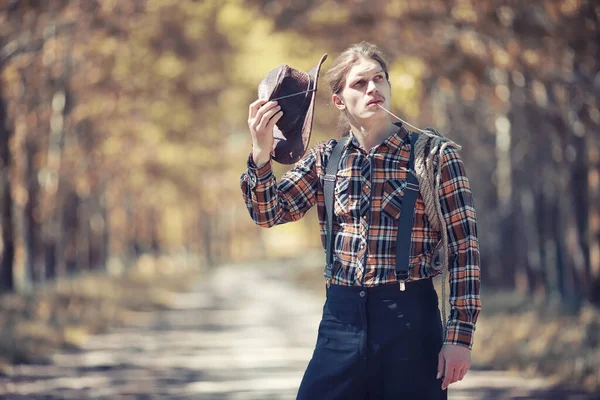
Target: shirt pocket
(341,203)
(391,200)
(341,194)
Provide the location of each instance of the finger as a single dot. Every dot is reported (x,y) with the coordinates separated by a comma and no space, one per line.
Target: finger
(463,372)
(455,375)
(448,375)
(274,120)
(253,108)
(266,117)
(265,107)
(256,123)
(440,368)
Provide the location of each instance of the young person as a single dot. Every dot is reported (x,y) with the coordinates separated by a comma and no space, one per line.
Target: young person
(378,338)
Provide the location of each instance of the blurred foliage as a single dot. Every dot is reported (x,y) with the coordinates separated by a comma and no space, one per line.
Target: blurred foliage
(123,127)
(537,342)
(126,123)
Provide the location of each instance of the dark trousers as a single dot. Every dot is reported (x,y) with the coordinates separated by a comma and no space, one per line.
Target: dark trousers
(377,343)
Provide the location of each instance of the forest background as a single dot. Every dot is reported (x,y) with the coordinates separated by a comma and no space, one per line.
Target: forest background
(123,133)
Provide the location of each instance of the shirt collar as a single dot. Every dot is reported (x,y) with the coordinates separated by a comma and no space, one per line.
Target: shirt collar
(394,142)
(398,139)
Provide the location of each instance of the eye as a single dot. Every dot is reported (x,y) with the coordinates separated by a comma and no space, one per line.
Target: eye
(359,83)
(379,77)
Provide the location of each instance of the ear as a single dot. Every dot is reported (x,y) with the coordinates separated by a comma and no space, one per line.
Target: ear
(339,103)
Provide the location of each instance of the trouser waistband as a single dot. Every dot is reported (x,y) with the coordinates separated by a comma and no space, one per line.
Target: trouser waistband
(414,289)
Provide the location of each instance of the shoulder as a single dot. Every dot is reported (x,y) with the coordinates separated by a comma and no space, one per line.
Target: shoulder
(444,148)
(322,150)
(450,152)
(316,155)
(435,143)
(326,145)
(440,150)
(452,164)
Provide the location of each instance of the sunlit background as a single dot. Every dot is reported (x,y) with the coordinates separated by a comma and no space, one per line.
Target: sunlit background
(123,135)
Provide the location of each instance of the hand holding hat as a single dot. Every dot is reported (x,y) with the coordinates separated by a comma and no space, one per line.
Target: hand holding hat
(263,115)
(291,117)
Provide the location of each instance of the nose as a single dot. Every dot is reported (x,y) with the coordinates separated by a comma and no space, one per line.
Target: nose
(371,87)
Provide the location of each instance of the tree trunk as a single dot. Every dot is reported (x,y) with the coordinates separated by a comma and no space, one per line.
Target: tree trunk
(6,204)
(593,234)
(33,267)
(105,251)
(51,187)
(207,234)
(83,235)
(97,221)
(70,231)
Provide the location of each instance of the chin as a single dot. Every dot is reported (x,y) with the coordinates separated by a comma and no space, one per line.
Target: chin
(376,111)
(374,116)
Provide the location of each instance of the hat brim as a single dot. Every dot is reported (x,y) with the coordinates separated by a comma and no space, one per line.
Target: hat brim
(291,147)
(271,83)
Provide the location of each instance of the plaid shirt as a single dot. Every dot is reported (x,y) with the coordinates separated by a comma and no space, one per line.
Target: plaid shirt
(367,206)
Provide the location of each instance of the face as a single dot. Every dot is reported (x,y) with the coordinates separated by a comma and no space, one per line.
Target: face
(365,87)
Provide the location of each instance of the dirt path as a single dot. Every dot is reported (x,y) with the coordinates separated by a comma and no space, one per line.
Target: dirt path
(240,334)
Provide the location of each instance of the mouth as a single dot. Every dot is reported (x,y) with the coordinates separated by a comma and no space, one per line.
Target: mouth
(376,101)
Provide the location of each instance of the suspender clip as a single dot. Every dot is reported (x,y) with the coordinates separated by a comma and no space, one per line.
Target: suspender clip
(412,186)
(328,282)
(402,277)
(412,182)
(329,177)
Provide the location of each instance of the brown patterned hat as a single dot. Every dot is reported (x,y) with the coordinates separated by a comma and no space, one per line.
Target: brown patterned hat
(294,91)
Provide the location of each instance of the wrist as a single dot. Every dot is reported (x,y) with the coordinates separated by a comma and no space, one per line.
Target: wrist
(260,158)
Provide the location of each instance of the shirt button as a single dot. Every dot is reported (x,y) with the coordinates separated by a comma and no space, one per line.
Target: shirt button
(362,246)
(362,293)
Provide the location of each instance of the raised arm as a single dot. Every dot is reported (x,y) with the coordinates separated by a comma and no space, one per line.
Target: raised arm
(271,203)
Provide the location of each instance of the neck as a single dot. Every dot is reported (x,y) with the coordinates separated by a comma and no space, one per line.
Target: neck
(369,136)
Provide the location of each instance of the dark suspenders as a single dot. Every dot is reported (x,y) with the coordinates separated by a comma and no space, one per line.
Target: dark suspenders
(328,191)
(405,224)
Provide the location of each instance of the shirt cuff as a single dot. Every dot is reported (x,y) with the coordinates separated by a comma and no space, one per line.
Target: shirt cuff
(259,175)
(459,333)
